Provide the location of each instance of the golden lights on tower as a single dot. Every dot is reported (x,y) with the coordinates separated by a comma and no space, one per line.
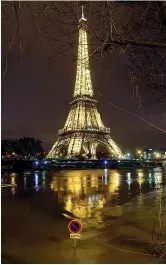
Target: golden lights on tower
(83,85)
(84,124)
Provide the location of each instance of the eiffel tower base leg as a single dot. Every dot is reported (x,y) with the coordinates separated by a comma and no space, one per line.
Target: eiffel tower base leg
(93,150)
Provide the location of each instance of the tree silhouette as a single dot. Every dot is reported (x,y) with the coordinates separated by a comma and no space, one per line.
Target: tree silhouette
(133,30)
(24,146)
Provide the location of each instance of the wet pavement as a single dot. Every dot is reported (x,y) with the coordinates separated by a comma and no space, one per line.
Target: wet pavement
(117,209)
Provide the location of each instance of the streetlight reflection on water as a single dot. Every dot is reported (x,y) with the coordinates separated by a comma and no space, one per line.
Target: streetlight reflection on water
(140,178)
(105,176)
(87,193)
(129,180)
(13,183)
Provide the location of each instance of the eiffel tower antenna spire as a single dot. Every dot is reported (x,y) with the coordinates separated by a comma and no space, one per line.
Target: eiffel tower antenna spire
(82,17)
(83,12)
(84,129)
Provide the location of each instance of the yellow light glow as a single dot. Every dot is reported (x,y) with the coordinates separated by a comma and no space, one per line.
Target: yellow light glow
(140,174)
(80,193)
(84,122)
(13,183)
(158,155)
(114,182)
(140,181)
(158,178)
(116,149)
(83,85)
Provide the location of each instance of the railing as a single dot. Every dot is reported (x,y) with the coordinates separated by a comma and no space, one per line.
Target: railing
(89,129)
(83,98)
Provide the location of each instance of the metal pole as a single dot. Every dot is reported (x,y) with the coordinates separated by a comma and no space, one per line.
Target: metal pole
(75,242)
(75,245)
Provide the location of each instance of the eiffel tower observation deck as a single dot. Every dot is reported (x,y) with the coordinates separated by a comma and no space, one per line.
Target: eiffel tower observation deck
(84,129)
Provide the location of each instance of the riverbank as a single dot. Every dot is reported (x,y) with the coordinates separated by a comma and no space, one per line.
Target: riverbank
(25,165)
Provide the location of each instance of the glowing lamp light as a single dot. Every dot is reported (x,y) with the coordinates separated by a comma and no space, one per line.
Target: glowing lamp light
(105,162)
(80,117)
(36,162)
(117,174)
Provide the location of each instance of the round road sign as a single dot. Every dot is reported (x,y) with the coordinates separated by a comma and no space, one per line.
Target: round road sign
(75,227)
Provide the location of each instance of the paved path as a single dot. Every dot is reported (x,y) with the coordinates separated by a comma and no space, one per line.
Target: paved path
(33,230)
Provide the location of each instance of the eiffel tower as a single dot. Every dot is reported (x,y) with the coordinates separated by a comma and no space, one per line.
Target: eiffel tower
(84,129)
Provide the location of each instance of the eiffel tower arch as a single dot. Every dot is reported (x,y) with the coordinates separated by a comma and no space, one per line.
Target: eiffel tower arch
(84,129)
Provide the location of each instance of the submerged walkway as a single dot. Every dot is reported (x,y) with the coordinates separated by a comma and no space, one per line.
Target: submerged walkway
(33,231)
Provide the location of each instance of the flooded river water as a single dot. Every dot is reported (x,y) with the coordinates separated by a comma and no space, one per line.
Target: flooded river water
(37,206)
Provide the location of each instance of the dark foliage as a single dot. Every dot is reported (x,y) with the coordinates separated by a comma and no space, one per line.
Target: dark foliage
(24,146)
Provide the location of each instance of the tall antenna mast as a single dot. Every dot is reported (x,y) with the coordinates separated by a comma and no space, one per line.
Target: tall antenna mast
(83,18)
(83,12)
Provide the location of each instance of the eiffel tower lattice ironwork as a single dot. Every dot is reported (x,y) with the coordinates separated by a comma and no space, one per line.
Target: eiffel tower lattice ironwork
(84,128)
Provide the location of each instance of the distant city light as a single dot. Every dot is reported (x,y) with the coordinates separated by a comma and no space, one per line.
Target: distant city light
(36,162)
(105,162)
(117,174)
(158,155)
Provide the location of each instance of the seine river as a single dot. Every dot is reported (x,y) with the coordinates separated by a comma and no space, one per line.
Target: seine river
(101,198)
(90,188)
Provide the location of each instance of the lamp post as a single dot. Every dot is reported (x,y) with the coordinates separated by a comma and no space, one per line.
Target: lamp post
(139,152)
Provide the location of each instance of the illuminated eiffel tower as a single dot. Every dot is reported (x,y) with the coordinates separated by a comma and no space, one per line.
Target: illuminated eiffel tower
(84,129)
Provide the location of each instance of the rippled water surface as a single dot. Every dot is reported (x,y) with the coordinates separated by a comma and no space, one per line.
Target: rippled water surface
(86,192)
(115,207)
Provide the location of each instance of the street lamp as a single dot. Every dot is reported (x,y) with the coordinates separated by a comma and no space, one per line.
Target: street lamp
(128,155)
(158,155)
(139,153)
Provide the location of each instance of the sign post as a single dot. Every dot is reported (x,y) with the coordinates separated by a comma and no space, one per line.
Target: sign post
(75,228)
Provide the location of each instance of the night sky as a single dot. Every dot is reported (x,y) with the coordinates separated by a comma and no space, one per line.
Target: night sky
(36,103)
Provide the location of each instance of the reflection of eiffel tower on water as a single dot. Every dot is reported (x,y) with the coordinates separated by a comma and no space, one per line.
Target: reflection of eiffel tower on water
(84,129)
